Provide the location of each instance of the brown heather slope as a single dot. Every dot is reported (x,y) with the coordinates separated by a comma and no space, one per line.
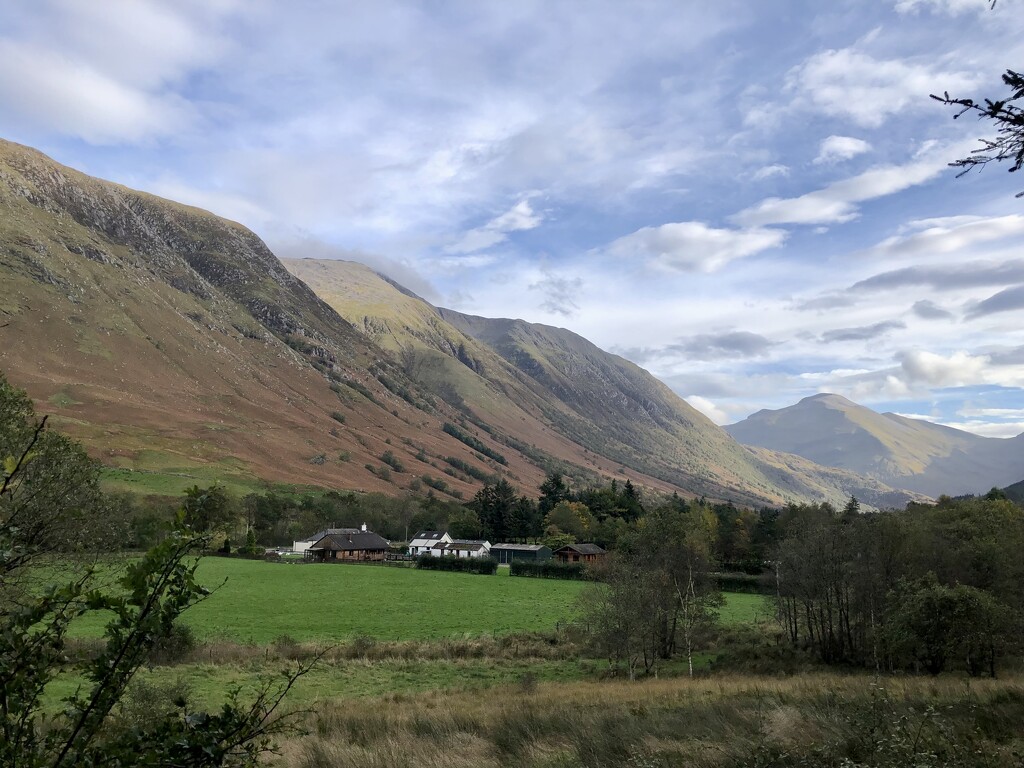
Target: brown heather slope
(169,339)
(568,397)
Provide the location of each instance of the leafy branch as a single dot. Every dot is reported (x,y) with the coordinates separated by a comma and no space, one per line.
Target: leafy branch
(1008,143)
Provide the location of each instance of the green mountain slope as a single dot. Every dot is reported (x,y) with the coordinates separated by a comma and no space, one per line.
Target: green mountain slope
(550,386)
(902,452)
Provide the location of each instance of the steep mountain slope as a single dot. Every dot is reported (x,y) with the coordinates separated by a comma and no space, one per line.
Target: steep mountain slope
(170,340)
(902,452)
(549,383)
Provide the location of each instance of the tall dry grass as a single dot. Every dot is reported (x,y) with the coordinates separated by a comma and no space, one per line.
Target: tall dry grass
(720,722)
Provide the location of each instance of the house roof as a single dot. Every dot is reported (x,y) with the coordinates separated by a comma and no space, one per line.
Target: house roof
(356,540)
(428,536)
(328,531)
(463,545)
(583,549)
(520,547)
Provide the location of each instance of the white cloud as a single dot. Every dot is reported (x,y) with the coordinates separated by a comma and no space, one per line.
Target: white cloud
(835,149)
(708,408)
(949,7)
(836,203)
(956,370)
(851,84)
(919,416)
(519,217)
(768,171)
(692,246)
(949,235)
(49,90)
(991,413)
(988,428)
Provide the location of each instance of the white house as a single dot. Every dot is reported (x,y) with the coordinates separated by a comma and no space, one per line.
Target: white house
(423,542)
(463,548)
(300,547)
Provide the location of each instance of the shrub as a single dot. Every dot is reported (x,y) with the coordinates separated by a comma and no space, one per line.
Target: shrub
(174,646)
(436,483)
(487,566)
(549,569)
(389,458)
(473,443)
(338,416)
(146,702)
(471,470)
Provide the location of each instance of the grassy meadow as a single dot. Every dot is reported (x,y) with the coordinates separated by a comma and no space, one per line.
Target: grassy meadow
(433,669)
(256,602)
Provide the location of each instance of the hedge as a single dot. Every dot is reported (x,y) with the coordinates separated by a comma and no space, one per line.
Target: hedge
(549,569)
(486,566)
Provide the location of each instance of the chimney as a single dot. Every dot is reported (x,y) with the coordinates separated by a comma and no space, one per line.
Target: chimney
(363,528)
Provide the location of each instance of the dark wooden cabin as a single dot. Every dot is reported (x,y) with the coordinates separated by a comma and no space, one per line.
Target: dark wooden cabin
(579,553)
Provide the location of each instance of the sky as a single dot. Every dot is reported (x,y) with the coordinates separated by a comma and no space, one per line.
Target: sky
(751,200)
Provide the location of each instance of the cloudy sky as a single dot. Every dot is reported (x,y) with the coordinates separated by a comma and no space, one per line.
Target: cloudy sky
(749,199)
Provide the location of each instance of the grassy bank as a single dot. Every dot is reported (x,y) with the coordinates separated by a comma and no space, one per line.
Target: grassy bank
(819,720)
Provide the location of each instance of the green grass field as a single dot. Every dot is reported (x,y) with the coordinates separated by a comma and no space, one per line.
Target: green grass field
(258,602)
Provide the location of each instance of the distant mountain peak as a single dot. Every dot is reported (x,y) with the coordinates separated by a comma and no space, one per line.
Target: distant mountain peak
(903,452)
(829,398)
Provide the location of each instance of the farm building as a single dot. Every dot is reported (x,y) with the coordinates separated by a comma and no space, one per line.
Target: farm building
(579,553)
(462,548)
(423,542)
(506,553)
(350,545)
(301,546)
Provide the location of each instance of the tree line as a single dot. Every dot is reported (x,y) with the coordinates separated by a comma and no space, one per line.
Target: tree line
(928,588)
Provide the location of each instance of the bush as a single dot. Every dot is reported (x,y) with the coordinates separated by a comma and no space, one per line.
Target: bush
(472,471)
(486,566)
(338,416)
(473,443)
(173,647)
(389,458)
(147,702)
(549,569)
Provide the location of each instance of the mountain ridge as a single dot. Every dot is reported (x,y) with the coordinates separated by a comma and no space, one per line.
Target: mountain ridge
(168,339)
(907,453)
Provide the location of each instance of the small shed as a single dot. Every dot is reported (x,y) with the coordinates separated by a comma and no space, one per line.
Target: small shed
(463,548)
(579,553)
(423,542)
(506,553)
(349,546)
